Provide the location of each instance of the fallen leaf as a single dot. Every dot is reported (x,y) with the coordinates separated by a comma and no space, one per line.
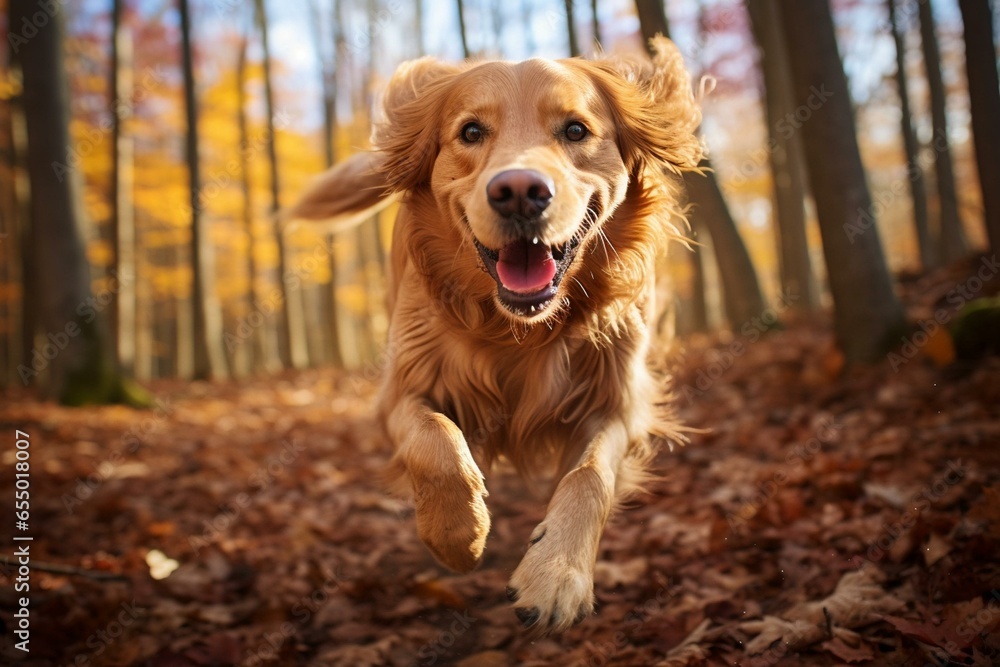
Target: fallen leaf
(936,548)
(856,651)
(160,566)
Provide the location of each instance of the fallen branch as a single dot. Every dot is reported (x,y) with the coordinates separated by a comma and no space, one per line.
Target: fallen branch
(56,568)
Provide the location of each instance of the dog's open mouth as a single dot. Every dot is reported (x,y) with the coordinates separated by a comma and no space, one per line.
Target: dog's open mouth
(528,272)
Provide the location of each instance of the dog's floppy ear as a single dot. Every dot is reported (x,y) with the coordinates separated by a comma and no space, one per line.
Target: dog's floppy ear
(348,192)
(654,107)
(408,135)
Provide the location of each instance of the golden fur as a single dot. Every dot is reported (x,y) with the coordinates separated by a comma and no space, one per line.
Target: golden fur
(564,389)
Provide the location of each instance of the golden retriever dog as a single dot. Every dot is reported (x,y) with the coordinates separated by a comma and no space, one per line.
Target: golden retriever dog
(534,198)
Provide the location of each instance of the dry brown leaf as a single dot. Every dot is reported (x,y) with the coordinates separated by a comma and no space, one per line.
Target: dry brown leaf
(609,574)
(849,646)
(858,600)
(441,591)
(690,651)
(937,547)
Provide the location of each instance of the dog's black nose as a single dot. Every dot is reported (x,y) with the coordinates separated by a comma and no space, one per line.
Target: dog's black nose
(520,192)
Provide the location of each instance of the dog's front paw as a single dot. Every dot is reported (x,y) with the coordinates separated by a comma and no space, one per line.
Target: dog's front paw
(553,587)
(452,521)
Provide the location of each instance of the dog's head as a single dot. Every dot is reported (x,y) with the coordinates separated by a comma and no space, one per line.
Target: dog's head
(531,160)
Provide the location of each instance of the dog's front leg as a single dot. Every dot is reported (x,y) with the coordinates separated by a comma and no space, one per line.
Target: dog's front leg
(448,489)
(553,587)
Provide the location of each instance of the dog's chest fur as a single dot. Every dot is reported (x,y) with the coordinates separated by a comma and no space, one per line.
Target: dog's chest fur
(535,401)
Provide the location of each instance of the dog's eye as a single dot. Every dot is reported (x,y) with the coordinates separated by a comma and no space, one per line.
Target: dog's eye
(575,131)
(472,133)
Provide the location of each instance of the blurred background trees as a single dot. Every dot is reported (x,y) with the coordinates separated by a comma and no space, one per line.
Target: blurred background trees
(145,151)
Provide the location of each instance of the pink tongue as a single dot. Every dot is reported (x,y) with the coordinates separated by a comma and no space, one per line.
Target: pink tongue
(525,267)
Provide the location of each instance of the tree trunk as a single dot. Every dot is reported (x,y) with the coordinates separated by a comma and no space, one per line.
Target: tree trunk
(122,306)
(12,233)
(866,311)
(787,160)
(951,236)
(257,349)
(915,173)
(984,96)
(145,309)
(595,22)
(76,349)
(739,280)
(461,29)
(328,70)
(698,305)
(9,346)
(418,18)
(574,45)
(740,289)
(293,343)
(527,16)
(209,356)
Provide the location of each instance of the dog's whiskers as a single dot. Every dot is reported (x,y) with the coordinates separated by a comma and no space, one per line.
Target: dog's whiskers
(604,237)
(582,288)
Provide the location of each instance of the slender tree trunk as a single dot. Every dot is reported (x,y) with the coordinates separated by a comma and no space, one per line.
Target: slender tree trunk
(740,287)
(11,235)
(497,25)
(82,368)
(144,311)
(787,161)
(336,342)
(328,71)
(699,307)
(293,345)
(951,236)
(866,311)
(461,29)
(419,20)
(8,345)
(915,172)
(257,348)
(574,45)
(595,23)
(209,356)
(984,96)
(122,306)
(527,16)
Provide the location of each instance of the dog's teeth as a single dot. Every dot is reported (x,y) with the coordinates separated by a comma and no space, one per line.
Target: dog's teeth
(532,309)
(534,241)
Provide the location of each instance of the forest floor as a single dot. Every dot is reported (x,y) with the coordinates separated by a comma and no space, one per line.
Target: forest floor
(825,517)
